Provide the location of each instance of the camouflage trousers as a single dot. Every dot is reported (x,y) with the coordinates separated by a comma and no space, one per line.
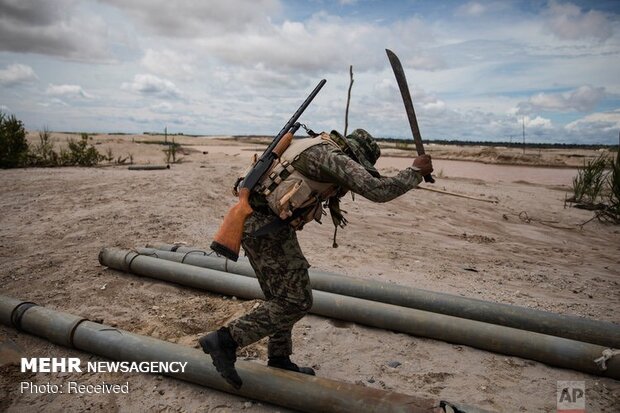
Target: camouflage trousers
(282,272)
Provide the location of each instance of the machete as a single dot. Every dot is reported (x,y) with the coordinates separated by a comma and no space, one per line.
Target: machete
(404,91)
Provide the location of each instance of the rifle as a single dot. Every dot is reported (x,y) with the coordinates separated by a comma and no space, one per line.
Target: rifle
(227,240)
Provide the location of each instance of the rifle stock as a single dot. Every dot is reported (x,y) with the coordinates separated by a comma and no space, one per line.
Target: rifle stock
(227,240)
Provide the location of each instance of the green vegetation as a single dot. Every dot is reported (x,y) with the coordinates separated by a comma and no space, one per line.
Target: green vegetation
(588,183)
(43,153)
(171,152)
(611,213)
(15,151)
(595,188)
(13,144)
(80,153)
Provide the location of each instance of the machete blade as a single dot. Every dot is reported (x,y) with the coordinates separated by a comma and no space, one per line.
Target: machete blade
(401,79)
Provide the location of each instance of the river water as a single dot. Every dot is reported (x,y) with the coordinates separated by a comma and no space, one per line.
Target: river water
(447,168)
(490,172)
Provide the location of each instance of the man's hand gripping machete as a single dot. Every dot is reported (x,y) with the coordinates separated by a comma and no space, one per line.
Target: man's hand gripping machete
(404,91)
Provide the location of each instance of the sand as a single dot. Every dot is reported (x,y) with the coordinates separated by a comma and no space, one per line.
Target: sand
(528,249)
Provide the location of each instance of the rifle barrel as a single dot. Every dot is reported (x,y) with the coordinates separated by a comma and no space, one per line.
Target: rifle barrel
(264,162)
(296,116)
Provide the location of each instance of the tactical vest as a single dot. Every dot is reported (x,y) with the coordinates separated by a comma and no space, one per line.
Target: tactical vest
(290,194)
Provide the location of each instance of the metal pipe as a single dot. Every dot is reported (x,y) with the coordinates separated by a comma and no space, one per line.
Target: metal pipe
(555,351)
(148,167)
(281,387)
(576,328)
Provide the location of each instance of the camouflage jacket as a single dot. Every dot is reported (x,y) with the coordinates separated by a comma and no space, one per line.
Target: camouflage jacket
(324,163)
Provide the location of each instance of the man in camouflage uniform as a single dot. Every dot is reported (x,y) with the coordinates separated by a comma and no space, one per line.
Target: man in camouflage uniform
(280,266)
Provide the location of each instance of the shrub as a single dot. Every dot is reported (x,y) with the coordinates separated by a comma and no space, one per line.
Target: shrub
(614,181)
(80,153)
(13,144)
(588,183)
(109,156)
(593,182)
(611,213)
(43,153)
(171,152)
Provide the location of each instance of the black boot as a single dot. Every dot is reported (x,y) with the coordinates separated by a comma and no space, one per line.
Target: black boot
(286,364)
(222,349)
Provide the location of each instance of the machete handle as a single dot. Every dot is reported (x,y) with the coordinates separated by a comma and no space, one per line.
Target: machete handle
(429,178)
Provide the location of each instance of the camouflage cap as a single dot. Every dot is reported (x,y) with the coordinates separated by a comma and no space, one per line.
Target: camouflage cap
(365,149)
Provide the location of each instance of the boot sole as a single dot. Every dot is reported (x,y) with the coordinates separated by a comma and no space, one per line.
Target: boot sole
(303,370)
(221,363)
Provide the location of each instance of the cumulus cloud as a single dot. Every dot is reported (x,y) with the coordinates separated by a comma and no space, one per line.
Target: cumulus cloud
(606,121)
(437,107)
(567,21)
(151,85)
(582,99)
(243,34)
(17,73)
(325,43)
(192,18)
(537,123)
(168,63)
(51,28)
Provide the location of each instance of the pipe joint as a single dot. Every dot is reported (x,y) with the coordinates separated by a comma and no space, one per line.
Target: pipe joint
(18,313)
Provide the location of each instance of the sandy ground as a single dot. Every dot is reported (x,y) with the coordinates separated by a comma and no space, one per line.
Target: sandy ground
(55,221)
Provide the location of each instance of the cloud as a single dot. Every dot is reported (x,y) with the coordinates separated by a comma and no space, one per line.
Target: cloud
(471,9)
(325,43)
(151,85)
(582,99)
(568,22)
(605,121)
(258,77)
(52,28)
(71,91)
(33,12)
(537,123)
(17,73)
(436,108)
(193,18)
(599,127)
(245,34)
(423,61)
(53,102)
(162,107)
(168,63)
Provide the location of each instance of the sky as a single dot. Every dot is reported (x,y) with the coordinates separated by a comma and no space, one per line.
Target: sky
(477,70)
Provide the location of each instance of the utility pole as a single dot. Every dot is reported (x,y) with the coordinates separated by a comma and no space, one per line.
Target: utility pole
(166,135)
